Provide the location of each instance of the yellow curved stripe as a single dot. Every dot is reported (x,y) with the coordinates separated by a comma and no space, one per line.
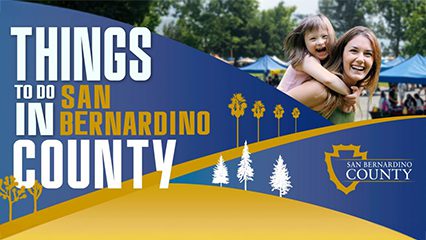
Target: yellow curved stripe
(210,160)
(153,179)
(205,212)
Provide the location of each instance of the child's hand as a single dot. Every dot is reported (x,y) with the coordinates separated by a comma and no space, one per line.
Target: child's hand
(351,99)
(357,91)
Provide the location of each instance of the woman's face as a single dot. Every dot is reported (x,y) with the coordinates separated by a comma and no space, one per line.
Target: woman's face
(357,59)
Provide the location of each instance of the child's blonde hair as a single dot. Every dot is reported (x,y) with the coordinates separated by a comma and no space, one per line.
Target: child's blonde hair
(294,44)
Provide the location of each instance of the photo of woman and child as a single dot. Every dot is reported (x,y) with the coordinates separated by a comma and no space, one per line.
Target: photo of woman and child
(326,74)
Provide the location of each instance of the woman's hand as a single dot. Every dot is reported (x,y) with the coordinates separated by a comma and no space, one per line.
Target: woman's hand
(350,100)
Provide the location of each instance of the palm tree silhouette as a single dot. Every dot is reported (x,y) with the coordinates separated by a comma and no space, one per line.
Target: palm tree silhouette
(238,105)
(258,110)
(296,114)
(278,112)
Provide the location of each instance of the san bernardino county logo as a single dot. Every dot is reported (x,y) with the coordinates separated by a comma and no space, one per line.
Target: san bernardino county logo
(348,166)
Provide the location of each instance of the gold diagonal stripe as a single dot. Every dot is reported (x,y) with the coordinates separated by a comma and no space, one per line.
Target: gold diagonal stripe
(153,179)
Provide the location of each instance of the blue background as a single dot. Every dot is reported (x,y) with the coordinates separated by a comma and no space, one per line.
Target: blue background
(400,206)
(182,79)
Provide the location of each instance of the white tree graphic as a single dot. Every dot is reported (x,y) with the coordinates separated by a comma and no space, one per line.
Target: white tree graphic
(280,180)
(220,173)
(245,171)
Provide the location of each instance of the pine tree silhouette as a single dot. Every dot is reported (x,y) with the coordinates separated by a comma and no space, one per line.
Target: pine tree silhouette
(280,180)
(220,173)
(245,171)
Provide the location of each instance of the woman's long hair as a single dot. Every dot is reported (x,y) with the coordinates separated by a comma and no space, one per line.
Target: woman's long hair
(335,65)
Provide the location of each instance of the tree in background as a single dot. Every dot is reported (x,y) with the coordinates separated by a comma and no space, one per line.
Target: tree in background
(398,22)
(230,22)
(238,105)
(220,173)
(258,111)
(10,192)
(237,28)
(137,13)
(345,14)
(415,33)
(245,171)
(215,26)
(187,28)
(230,28)
(280,179)
(278,113)
(273,26)
(35,191)
(390,23)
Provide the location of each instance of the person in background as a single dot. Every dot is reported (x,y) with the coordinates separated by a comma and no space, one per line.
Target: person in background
(402,88)
(422,88)
(384,103)
(410,104)
(419,104)
(393,98)
(275,80)
(269,80)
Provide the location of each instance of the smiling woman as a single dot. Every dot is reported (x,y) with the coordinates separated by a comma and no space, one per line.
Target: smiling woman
(356,58)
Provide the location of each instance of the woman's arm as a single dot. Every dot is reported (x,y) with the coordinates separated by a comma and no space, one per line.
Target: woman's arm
(313,68)
(311,93)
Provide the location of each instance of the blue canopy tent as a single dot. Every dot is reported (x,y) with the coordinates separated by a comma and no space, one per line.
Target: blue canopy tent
(391,64)
(412,70)
(263,65)
(279,61)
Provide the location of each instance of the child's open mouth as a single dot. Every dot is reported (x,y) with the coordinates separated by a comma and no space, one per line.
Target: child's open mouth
(320,50)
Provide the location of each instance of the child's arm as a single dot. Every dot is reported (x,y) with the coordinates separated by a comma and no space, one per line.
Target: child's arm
(311,93)
(312,67)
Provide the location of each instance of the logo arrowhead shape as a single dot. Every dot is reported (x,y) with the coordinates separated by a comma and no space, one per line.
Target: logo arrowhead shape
(336,154)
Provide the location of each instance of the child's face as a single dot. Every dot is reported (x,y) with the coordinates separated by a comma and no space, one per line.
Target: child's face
(316,43)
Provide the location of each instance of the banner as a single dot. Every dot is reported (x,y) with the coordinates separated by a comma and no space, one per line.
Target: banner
(113,131)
